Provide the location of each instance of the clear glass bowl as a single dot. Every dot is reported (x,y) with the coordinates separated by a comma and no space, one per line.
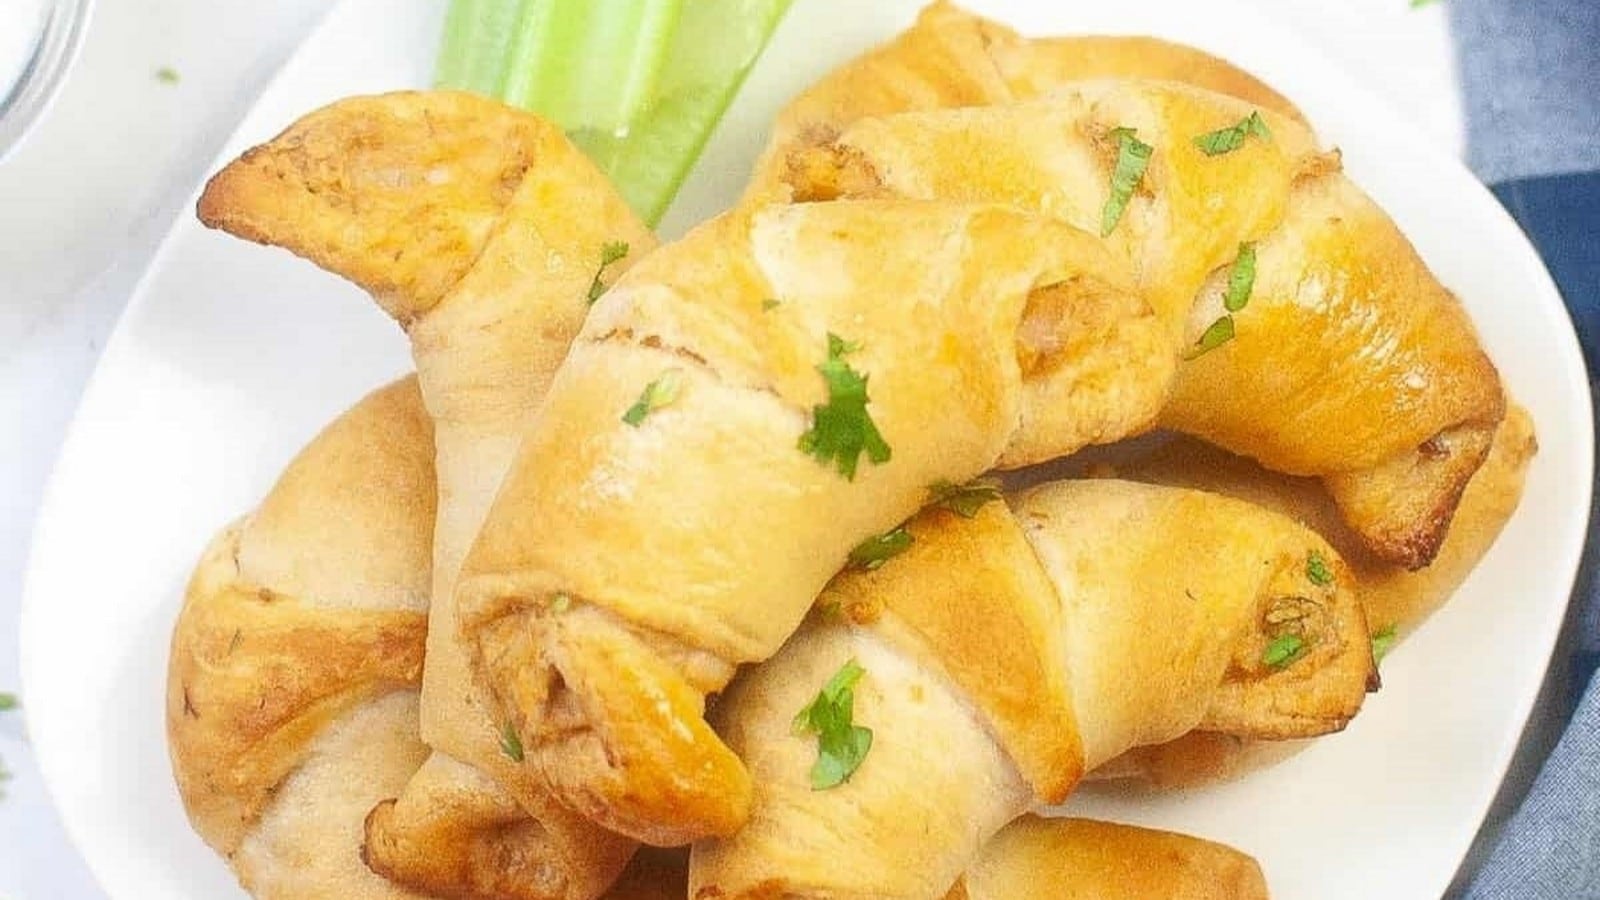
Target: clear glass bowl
(56,34)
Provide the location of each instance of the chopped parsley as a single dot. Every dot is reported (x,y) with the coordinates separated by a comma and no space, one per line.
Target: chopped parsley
(841,744)
(1227,140)
(8,702)
(770,304)
(842,429)
(656,394)
(1241,282)
(1383,641)
(1216,334)
(1241,278)
(880,548)
(1284,649)
(610,254)
(511,742)
(1317,570)
(1133,157)
(167,75)
(963,499)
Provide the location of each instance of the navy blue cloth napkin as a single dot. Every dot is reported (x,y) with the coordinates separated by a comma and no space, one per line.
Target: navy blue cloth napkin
(1530,73)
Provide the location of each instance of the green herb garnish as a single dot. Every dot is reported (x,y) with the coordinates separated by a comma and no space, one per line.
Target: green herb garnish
(511,742)
(1227,140)
(880,548)
(1216,334)
(841,744)
(1284,649)
(1241,278)
(1133,157)
(656,394)
(963,499)
(1383,641)
(842,429)
(770,304)
(8,702)
(1317,570)
(610,254)
(167,75)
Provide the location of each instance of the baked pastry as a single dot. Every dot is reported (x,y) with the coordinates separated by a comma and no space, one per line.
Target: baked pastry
(485,234)
(1396,601)
(292,683)
(649,540)
(999,657)
(952,58)
(1341,311)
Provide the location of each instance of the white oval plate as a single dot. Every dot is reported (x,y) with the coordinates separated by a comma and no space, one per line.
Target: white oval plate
(230,357)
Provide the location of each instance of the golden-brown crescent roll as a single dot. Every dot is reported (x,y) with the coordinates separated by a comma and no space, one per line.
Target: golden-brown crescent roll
(1344,322)
(1038,858)
(1035,858)
(950,58)
(1395,600)
(629,565)
(485,233)
(1341,300)
(292,682)
(1005,654)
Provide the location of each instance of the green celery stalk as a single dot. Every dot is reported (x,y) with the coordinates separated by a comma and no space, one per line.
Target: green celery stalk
(477,45)
(638,84)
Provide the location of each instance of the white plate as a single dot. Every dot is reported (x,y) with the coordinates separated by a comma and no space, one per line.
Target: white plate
(230,357)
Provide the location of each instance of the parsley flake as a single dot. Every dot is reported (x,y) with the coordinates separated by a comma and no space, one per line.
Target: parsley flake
(8,702)
(1317,570)
(1216,334)
(1133,157)
(1284,649)
(511,742)
(1383,641)
(841,744)
(880,548)
(963,499)
(770,304)
(656,394)
(610,254)
(1227,140)
(167,75)
(1241,278)
(842,429)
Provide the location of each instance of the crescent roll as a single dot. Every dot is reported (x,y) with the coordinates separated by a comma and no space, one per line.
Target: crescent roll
(827,363)
(1362,329)
(1396,601)
(292,682)
(1000,657)
(951,58)
(486,234)
(1037,858)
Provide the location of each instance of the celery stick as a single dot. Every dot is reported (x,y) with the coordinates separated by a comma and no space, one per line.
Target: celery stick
(476,49)
(590,64)
(716,44)
(639,84)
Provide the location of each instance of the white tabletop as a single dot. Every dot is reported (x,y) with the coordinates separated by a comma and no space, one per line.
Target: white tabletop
(85,201)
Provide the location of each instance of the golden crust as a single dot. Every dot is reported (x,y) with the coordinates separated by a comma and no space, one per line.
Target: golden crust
(1078,859)
(935,294)
(481,229)
(1344,315)
(296,619)
(1393,597)
(969,599)
(952,58)
(396,192)
(1016,638)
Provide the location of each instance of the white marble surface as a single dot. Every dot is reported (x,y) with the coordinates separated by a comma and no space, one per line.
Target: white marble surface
(85,201)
